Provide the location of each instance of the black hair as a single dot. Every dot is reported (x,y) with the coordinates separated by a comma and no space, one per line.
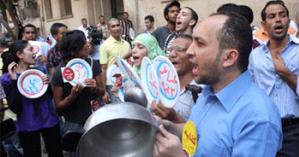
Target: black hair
(31,26)
(247,12)
(7,56)
(5,40)
(150,18)
(171,4)
(95,35)
(273,2)
(242,10)
(236,33)
(71,44)
(228,7)
(15,47)
(194,16)
(55,27)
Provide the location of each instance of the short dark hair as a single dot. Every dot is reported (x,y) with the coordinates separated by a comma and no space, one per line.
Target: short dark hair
(243,10)
(95,35)
(84,19)
(236,33)
(55,27)
(171,4)
(273,2)
(31,26)
(71,44)
(247,12)
(150,18)
(5,40)
(194,16)
(228,7)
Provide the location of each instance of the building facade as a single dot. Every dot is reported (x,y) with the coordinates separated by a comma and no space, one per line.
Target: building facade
(43,13)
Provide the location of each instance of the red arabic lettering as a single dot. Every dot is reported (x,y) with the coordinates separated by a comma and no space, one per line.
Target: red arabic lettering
(168,89)
(190,137)
(174,81)
(152,81)
(163,71)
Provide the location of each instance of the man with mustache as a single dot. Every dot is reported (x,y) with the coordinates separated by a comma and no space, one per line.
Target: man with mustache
(275,68)
(179,58)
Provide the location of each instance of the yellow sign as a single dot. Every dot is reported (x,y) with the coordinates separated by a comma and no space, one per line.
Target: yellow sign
(189,138)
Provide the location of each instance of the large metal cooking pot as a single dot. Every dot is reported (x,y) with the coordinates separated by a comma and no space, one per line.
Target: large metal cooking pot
(118,130)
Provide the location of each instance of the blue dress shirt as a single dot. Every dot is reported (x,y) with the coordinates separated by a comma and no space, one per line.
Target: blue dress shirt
(238,121)
(262,69)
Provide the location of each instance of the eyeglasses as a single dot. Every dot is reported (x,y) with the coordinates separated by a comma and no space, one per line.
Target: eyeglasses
(177,49)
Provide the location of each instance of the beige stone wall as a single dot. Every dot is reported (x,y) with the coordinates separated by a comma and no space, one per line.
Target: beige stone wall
(202,7)
(79,9)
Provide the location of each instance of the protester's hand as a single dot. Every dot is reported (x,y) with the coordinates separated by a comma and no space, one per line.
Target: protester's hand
(106,97)
(45,79)
(12,67)
(160,110)
(90,83)
(42,58)
(279,64)
(76,90)
(167,144)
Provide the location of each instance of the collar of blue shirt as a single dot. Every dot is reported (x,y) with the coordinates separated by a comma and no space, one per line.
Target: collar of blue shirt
(230,94)
(291,39)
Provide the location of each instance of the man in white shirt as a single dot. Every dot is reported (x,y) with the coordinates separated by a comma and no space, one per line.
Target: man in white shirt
(84,27)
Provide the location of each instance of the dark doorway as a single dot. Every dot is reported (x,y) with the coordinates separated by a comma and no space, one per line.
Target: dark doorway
(117,7)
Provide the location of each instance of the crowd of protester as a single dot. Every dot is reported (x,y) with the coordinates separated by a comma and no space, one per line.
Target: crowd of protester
(239,85)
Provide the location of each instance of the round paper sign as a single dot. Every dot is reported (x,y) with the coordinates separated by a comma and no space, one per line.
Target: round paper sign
(149,80)
(81,69)
(169,84)
(30,84)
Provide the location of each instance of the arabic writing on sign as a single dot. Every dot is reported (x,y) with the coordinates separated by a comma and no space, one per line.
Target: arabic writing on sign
(190,137)
(32,85)
(168,81)
(80,73)
(153,84)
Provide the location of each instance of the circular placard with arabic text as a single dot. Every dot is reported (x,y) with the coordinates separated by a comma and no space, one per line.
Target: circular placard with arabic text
(169,84)
(81,69)
(149,80)
(31,85)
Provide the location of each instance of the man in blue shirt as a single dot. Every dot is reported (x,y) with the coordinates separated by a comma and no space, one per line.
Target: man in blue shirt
(275,68)
(232,116)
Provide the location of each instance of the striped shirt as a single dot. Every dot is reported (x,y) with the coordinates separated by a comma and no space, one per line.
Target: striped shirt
(262,69)
(184,104)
